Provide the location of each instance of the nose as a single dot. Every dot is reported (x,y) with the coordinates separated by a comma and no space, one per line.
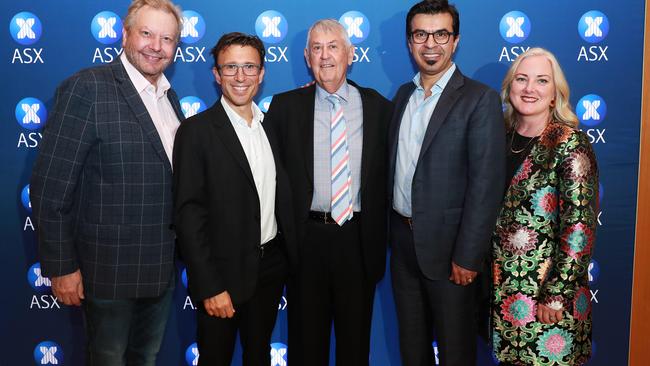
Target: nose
(430,42)
(239,75)
(324,53)
(155,43)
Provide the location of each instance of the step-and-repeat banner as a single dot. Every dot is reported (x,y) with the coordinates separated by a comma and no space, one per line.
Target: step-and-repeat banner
(599,43)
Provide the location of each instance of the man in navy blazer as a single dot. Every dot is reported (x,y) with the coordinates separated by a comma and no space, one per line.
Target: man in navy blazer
(446,174)
(101,190)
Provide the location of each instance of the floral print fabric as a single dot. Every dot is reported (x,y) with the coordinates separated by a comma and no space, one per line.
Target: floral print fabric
(542,246)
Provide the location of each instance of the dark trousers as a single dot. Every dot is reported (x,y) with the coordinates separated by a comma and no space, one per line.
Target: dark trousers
(331,287)
(254,319)
(428,308)
(125,331)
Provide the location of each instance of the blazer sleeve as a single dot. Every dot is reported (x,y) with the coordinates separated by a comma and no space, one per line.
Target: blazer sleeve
(68,136)
(567,281)
(191,213)
(486,160)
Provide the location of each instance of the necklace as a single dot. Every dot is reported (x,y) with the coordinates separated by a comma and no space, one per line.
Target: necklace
(512,140)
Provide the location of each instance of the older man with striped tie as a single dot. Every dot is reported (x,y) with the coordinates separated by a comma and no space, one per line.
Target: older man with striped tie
(332,139)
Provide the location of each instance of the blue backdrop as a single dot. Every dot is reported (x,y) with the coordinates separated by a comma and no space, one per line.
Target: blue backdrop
(599,43)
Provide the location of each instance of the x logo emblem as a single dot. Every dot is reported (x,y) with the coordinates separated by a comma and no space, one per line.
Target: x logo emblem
(107,25)
(26,28)
(515,27)
(271,27)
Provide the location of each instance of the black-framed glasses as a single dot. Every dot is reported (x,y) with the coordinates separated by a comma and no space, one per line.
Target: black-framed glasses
(440,36)
(231,69)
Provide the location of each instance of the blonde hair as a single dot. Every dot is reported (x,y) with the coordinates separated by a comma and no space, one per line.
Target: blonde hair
(561,110)
(165,5)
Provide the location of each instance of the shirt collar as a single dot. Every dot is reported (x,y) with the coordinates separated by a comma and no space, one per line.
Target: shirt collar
(342,92)
(140,82)
(236,119)
(440,84)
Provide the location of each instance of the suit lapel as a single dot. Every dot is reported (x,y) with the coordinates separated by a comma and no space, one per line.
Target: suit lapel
(306,105)
(227,135)
(134,101)
(370,138)
(447,100)
(173,100)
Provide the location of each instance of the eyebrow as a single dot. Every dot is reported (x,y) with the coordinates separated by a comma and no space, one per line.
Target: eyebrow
(437,30)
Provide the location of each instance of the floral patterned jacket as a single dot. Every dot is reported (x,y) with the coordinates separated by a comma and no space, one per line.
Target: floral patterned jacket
(542,247)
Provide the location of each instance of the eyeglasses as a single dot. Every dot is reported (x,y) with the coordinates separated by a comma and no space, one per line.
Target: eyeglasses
(231,69)
(440,36)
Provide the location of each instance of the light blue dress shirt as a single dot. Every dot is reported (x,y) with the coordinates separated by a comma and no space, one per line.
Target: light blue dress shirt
(353,113)
(415,121)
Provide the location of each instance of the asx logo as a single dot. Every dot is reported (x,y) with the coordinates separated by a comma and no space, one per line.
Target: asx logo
(106,27)
(42,285)
(48,353)
(593,272)
(25,28)
(278,354)
(357,26)
(593,26)
(192,355)
(31,113)
(192,32)
(193,27)
(192,105)
(271,26)
(591,110)
(514,27)
(24,198)
(36,280)
(265,103)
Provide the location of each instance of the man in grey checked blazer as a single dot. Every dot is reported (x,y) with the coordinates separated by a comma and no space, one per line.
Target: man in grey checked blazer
(101,191)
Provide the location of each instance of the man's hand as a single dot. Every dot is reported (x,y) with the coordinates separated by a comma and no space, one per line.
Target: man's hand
(219,306)
(460,275)
(69,288)
(547,315)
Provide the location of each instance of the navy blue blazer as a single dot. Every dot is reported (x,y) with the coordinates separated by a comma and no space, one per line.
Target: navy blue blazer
(101,188)
(458,182)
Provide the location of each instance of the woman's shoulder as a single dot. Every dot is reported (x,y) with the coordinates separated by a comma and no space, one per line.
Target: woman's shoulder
(559,134)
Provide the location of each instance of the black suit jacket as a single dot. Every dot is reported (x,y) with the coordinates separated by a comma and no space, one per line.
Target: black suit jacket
(458,182)
(101,188)
(291,120)
(217,209)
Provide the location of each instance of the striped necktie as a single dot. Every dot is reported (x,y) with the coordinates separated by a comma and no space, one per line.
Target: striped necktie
(341,202)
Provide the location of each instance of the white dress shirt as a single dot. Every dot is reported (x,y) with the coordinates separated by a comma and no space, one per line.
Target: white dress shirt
(260,159)
(155,99)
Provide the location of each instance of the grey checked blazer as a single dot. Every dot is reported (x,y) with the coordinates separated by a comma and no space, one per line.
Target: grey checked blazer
(101,188)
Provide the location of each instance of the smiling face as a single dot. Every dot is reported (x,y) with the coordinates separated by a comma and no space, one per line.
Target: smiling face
(433,59)
(532,90)
(328,55)
(149,44)
(239,89)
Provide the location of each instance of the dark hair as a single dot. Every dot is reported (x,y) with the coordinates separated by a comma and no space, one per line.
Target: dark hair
(241,39)
(433,7)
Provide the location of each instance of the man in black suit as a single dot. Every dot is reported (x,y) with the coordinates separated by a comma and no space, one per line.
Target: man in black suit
(101,190)
(233,211)
(332,139)
(446,173)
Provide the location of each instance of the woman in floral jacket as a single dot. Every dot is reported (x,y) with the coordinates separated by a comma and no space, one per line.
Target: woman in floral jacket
(542,244)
